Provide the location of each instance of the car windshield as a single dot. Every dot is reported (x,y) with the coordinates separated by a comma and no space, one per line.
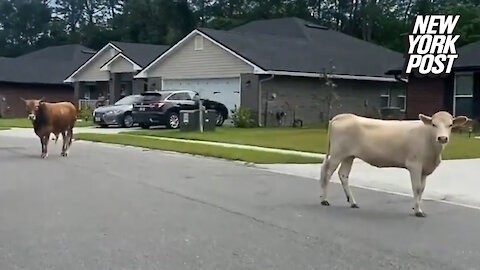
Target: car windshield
(129,100)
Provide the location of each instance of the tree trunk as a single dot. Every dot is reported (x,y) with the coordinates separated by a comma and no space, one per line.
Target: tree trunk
(406,11)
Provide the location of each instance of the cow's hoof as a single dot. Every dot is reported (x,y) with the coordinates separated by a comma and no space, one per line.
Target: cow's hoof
(354,205)
(44,156)
(64,154)
(420,214)
(325,203)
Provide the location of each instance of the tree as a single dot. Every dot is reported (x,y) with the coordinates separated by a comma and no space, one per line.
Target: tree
(155,21)
(71,11)
(22,24)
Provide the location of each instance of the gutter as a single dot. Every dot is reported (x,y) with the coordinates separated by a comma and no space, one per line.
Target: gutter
(400,79)
(260,82)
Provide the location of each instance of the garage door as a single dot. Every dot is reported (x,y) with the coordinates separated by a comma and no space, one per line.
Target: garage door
(225,90)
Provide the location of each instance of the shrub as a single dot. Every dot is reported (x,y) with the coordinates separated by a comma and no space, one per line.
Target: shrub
(242,118)
(85,114)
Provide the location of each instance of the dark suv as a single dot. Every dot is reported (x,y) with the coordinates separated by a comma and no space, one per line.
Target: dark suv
(163,107)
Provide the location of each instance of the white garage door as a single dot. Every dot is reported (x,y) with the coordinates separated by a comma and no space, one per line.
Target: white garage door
(225,90)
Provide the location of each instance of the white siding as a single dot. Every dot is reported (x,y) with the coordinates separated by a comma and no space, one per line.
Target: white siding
(92,72)
(120,65)
(210,62)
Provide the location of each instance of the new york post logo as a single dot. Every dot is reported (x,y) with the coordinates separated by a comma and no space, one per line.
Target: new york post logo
(430,49)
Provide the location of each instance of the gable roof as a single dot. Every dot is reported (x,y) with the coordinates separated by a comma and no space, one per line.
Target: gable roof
(468,56)
(292,44)
(299,48)
(138,53)
(46,66)
(106,66)
(286,27)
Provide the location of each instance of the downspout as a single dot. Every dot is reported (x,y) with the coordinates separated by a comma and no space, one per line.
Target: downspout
(260,82)
(404,81)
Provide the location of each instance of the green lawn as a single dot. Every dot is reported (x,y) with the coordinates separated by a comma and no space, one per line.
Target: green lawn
(25,123)
(204,150)
(302,139)
(462,147)
(4,128)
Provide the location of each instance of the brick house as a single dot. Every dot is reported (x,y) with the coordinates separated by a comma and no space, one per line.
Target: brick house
(275,67)
(458,93)
(38,74)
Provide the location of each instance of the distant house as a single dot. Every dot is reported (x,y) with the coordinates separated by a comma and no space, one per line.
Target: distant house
(458,93)
(275,68)
(110,71)
(38,74)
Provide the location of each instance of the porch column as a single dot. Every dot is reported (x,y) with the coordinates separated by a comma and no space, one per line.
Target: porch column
(76,93)
(114,87)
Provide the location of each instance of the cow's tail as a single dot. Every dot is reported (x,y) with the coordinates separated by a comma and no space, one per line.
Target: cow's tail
(328,137)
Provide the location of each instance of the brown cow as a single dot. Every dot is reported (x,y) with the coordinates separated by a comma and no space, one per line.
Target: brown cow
(47,118)
(414,145)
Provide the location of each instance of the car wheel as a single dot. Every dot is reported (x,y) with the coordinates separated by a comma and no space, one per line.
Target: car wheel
(144,126)
(173,120)
(127,121)
(219,119)
(103,126)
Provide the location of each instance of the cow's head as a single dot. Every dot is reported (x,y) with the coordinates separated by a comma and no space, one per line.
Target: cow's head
(442,123)
(31,106)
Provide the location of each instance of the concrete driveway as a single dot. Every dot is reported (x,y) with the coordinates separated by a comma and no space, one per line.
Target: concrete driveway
(109,207)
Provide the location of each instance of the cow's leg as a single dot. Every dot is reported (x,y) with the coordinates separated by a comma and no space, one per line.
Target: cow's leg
(43,145)
(417,188)
(65,143)
(69,140)
(343,174)
(328,168)
(45,140)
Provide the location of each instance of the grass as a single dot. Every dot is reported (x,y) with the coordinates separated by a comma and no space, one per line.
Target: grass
(255,156)
(25,123)
(462,147)
(302,139)
(4,128)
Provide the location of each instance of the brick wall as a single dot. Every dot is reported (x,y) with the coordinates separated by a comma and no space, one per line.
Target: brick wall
(306,98)
(13,93)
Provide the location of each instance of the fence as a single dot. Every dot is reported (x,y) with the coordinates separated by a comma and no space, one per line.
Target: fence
(89,103)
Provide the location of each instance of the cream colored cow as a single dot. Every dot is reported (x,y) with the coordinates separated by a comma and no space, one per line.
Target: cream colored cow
(413,145)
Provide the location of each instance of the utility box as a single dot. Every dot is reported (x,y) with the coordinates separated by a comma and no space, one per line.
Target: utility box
(190,120)
(209,120)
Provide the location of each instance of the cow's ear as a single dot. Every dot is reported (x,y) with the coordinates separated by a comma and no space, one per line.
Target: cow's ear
(460,121)
(427,120)
(42,99)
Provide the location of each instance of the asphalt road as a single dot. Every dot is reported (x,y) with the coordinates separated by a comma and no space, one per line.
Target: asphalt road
(108,207)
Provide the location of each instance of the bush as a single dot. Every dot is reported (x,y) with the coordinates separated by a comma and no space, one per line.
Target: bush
(85,114)
(242,118)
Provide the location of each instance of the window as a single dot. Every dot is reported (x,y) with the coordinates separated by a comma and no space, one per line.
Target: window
(463,97)
(401,102)
(175,97)
(393,98)
(180,96)
(385,98)
(198,43)
(185,96)
(91,88)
